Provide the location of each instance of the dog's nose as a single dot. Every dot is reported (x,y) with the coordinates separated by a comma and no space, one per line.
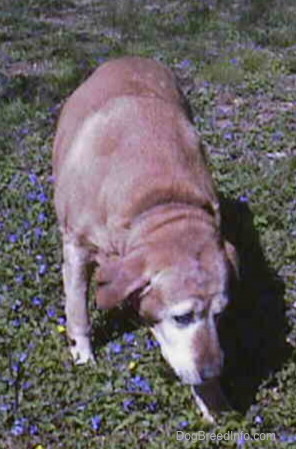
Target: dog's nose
(210,371)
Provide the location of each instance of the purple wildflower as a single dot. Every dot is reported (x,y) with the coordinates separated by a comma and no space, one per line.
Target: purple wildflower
(288,438)
(81,407)
(37,301)
(42,217)
(16,323)
(38,232)
(241,442)
(34,430)
(141,383)
(13,238)
(51,312)
(96,422)
(277,135)
(42,197)
(101,59)
(4,407)
(24,131)
(258,419)
(244,199)
(54,108)
(127,404)
(183,424)
(42,269)
(27,385)
(228,136)
(23,357)
(15,367)
(26,224)
(51,179)
(234,61)
(62,320)
(20,278)
(33,178)
(129,337)
(115,347)
(151,344)
(19,427)
(32,196)
(185,64)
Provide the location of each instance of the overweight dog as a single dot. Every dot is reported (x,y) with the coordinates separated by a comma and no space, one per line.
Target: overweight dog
(135,199)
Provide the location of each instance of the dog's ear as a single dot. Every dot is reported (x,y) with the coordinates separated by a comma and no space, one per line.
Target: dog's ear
(232,258)
(118,280)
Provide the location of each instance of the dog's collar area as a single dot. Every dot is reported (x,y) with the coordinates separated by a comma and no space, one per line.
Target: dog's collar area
(173,210)
(161,215)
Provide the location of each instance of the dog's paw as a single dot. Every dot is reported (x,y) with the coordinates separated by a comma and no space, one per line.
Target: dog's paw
(81,351)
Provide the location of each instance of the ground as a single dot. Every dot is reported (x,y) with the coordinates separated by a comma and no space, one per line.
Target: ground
(236,62)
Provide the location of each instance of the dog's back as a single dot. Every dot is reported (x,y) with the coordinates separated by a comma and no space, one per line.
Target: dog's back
(120,77)
(129,144)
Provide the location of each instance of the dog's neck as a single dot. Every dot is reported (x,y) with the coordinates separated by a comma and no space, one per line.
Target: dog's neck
(166,225)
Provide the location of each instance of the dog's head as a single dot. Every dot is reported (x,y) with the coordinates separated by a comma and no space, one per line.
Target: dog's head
(181,303)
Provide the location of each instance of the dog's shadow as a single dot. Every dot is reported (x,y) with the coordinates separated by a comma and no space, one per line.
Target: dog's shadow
(114,323)
(253,329)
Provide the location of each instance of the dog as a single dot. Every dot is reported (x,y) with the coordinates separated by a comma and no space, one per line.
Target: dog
(136,205)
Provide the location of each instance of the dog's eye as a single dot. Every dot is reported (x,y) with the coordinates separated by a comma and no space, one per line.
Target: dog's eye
(185,319)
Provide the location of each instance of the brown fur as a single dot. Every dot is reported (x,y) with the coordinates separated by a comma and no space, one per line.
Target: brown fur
(133,190)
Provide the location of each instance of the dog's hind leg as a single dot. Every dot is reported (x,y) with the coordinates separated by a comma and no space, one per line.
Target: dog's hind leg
(76,276)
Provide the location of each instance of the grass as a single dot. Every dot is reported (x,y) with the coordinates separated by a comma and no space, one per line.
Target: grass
(236,63)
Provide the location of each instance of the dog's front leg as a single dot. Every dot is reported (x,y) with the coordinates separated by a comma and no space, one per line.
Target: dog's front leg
(76,276)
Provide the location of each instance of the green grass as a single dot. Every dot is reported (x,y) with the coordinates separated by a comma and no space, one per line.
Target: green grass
(236,62)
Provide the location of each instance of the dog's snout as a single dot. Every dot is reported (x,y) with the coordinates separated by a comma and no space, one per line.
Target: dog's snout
(208,352)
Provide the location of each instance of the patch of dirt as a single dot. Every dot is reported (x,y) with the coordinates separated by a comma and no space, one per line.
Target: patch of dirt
(26,68)
(68,19)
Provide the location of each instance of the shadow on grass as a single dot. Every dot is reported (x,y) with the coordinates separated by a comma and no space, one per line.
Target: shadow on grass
(113,324)
(253,329)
